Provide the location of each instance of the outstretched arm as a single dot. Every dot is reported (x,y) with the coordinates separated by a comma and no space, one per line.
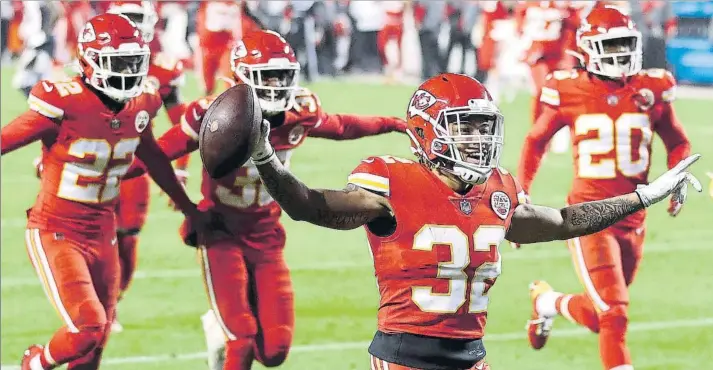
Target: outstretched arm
(175,143)
(336,209)
(25,129)
(351,126)
(534,224)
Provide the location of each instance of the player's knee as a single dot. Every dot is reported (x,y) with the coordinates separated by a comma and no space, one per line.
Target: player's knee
(275,347)
(92,328)
(615,318)
(241,326)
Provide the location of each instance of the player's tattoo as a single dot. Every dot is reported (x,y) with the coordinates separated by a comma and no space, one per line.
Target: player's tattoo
(535,224)
(336,209)
(590,217)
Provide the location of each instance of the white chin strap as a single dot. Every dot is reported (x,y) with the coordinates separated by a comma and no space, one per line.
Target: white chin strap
(471,176)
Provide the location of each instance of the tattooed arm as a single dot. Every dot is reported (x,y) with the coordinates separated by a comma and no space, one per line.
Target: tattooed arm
(336,209)
(534,224)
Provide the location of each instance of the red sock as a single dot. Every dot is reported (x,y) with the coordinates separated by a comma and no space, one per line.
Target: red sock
(66,346)
(176,112)
(578,308)
(238,354)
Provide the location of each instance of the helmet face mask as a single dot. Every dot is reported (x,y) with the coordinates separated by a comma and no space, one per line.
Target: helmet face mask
(455,127)
(274,84)
(113,57)
(610,44)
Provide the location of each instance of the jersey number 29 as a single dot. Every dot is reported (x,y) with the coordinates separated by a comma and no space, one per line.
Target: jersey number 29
(484,239)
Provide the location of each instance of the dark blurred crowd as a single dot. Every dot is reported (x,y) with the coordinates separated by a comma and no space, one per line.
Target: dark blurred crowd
(417,38)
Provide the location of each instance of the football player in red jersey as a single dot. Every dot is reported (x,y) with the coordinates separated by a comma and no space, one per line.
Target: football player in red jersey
(91,127)
(254,260)
(434,226)
(166,76)
(612,108)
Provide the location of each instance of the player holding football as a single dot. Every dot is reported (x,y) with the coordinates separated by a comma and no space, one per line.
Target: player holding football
(91,126)
(240,271)
(434,226)
(612,109)
(166,76)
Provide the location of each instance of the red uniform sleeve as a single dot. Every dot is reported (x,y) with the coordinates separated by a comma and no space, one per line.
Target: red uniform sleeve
(668,127)
(371,174)
(547,124)
(25,129)
(348,127)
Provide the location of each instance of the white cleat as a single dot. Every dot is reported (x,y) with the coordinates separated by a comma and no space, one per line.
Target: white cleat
(215,340)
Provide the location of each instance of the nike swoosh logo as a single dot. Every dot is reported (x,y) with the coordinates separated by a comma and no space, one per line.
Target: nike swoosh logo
(479,367)
(47,87)
(195,115)
(367,160)
(113,241)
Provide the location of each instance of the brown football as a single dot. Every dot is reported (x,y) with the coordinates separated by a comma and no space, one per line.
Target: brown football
(229,130)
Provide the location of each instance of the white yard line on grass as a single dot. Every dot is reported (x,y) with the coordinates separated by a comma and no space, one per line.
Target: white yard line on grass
(651,248)
(343,346)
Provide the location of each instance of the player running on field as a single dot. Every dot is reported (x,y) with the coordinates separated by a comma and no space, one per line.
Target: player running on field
(166,76)
(247,279)
(612,109)
(434,226)
(91,127)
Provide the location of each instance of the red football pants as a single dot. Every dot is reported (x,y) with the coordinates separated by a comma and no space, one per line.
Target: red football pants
(379,364)
(250,291)
(131,213)
(606,263)
(210,60)
(80,279)
(390,32)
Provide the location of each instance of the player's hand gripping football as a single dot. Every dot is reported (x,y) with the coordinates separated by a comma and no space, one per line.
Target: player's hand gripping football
(673,182)
(263,151)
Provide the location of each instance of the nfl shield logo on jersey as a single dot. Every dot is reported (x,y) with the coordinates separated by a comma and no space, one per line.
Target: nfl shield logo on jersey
(115,123)
(142,121)
(465,206)
(500,203)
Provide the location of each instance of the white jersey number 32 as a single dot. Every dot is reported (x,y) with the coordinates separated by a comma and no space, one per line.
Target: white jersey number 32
(485,238)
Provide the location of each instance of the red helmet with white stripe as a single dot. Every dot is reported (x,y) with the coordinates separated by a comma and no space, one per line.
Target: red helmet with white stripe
(610,43)
(455,126)
(143,13)
(112,56)
(266,62)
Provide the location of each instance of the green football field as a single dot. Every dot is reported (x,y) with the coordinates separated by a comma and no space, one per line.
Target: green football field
(336,298)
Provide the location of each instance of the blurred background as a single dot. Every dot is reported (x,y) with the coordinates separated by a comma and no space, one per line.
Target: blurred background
(403,41)
(364,57)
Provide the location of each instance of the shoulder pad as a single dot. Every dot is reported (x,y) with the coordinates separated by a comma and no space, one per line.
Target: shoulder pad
(373,173)
(662,83)
(49,98)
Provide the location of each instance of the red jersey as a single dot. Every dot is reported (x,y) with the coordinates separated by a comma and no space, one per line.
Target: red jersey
(241,196)
(85,155)
(435,270)
(549,25)
(219,23)
(611,126)
(165,73)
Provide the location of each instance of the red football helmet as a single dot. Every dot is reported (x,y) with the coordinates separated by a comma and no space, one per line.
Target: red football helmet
(455,125)
(610,43)
(266,62)
(143,13)
(112,56)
